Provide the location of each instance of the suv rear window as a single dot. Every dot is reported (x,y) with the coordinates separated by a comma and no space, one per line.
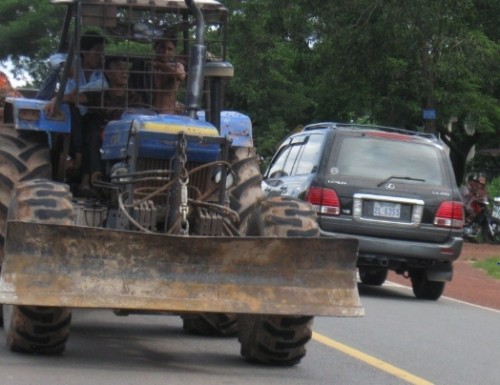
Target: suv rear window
(381,158)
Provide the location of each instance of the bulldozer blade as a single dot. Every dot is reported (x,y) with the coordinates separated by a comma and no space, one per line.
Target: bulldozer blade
(71,266)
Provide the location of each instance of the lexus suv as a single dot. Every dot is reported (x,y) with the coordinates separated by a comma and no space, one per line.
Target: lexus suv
(392,189)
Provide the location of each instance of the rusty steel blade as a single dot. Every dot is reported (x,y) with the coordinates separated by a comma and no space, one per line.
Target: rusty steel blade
(71,266)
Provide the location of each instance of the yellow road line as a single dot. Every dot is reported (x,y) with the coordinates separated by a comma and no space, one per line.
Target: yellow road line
(370,360)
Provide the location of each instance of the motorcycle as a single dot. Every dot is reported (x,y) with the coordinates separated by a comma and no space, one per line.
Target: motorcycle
(485,226)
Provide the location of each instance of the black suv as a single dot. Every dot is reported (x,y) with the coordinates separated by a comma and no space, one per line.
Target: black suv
(392,189)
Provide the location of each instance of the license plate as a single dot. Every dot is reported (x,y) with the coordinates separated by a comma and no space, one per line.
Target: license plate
(386,209)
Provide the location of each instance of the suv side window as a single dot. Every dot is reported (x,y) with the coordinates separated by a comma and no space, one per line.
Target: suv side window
(300,157)
(276,168)
(309,159)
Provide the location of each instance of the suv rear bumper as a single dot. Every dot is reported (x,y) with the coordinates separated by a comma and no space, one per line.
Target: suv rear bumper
(389,251)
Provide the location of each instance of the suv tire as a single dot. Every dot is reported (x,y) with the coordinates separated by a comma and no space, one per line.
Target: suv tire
(423,288)
(372,276)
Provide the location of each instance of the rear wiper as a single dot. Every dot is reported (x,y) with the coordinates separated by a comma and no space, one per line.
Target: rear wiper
(399,177)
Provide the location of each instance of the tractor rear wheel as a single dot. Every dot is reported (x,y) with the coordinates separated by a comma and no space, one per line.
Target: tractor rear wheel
(242,198)
(35,329)
(211,324)
(272,339)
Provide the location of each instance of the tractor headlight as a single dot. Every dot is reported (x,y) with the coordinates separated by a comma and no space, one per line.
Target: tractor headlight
(229,178)
(119,172)
(29,114)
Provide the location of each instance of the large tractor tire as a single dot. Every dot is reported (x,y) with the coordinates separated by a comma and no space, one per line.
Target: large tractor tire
(242,197)
(271,339)
(247,188)
(35,329)
(22,157)
(211,324)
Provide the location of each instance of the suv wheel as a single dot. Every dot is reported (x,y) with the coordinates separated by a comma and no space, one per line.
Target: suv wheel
(492,236)
(423,288)
(372,276)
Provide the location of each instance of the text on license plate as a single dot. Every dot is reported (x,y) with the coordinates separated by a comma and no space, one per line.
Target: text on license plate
(386,209)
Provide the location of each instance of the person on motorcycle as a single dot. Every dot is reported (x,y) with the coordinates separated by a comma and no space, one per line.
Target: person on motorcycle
(482,191)
(467,191)
(481,225)
(475,198)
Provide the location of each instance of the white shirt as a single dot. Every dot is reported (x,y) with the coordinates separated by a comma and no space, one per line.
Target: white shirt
(96,81)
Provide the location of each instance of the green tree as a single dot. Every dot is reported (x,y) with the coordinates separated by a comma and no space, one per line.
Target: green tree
(341,60)
(374,61)
(268,47)
(386,61)
(29,33)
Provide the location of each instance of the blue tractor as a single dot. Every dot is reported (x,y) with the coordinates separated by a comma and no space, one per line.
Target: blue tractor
(178,224)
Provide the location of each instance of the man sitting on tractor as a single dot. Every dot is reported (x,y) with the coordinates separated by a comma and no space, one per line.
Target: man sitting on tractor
(92,48)
(159,79)
(103,106)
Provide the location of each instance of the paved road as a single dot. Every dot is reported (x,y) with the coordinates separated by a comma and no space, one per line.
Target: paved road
(401,340)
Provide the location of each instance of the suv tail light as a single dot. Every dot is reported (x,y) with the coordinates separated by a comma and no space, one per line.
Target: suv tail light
(450,214)
(324,200)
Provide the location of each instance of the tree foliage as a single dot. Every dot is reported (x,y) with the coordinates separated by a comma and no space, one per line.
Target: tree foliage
(375,61)
(379,61)
(29,32)
(272,78)
(423,55)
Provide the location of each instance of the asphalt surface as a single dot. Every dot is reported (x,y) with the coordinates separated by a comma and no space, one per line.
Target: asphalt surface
(401,340)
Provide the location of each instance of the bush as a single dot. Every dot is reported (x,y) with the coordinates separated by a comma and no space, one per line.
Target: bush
(494,188)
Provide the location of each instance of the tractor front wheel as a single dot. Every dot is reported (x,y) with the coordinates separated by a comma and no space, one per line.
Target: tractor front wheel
(272,339)
(35,329)
(242,198)
(23,156)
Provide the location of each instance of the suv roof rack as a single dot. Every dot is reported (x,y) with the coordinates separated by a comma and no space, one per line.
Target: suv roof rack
(354,126)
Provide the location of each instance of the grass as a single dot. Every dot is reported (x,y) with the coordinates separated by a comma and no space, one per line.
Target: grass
(490,265)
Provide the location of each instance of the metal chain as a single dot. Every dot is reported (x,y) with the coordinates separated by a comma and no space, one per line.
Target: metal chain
(184,175)
(183,180)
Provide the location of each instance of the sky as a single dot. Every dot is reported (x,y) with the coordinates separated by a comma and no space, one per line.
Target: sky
(6,67)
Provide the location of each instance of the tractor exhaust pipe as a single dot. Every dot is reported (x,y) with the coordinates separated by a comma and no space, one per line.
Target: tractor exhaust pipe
(196,63)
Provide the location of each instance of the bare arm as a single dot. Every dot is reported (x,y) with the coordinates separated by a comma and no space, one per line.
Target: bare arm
(72,98)
(169,71)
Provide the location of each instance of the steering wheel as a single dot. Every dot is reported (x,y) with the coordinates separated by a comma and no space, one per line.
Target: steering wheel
(151,110)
